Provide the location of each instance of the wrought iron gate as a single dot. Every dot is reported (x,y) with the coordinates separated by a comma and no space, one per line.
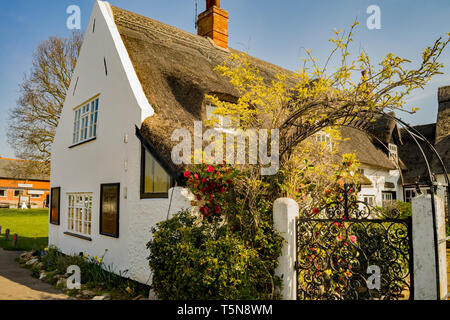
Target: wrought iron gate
(351,250)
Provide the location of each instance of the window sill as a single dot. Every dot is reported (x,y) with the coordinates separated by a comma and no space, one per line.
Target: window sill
(154,196)
(80,143)
(77,236)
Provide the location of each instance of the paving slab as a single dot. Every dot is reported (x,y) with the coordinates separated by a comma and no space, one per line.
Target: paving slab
(16,283)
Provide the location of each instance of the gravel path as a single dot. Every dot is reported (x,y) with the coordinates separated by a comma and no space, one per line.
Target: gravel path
(16,283)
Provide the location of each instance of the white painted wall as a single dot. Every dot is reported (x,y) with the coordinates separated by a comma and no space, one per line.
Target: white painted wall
(379,176)
(122,106)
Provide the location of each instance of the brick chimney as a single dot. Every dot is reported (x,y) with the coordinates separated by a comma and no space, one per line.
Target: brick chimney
(443,118)
(213,23)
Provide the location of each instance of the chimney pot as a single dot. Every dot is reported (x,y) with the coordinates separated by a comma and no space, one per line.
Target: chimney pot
(212,3)
(213,23)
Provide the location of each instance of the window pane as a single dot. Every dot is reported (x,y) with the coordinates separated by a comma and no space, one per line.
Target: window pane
(161,178)
(156,178)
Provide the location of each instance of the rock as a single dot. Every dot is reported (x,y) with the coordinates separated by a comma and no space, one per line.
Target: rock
(42,276)
(32,262)
(40,265)
(88,293)
(152,295)
(98,298)
(26,256)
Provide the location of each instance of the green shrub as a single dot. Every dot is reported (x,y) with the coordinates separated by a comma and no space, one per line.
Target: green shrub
(229,252)
(403,207)
(193,261)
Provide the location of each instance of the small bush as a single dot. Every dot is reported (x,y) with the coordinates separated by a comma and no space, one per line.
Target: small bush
(193,261)
(403,207)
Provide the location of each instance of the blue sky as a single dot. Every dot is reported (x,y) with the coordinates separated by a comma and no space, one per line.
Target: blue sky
(276,31)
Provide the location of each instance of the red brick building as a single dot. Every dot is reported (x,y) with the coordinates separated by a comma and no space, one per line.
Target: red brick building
(18,187)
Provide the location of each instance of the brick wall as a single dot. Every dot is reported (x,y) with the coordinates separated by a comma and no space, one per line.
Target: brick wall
(10,192)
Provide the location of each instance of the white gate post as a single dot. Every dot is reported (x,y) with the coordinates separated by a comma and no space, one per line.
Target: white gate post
(425,285)
(285,210)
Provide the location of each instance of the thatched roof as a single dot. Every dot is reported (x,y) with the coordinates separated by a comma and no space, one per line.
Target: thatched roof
(19,170)
(176,70)
(443,148)
(416,171)
(386,129)
(360,143)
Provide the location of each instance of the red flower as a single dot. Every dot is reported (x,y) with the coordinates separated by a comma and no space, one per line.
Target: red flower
(206,211)
(222,189)
(217,210)
(210,169)
(228,181)
(315,211)
(203,190)
(196,176)
(203,180)
(187,174)
(199,197)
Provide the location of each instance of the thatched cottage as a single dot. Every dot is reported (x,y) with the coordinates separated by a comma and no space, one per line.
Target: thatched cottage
(136,80)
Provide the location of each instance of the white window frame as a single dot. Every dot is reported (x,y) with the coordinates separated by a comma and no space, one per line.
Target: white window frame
(325,138)
(85,122)
(5,191)
(79,213)
(369,199)
(410,193)
(393,152)
(386,198)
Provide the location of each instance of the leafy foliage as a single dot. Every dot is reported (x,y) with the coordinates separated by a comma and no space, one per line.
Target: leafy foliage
(231,254)
(94,272)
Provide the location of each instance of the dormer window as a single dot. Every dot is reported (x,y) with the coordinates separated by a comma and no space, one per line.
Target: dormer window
(393,152)
(223,122)
(324,138)
(85,122)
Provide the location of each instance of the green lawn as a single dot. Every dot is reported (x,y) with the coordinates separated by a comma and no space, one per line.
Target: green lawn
(31,226)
